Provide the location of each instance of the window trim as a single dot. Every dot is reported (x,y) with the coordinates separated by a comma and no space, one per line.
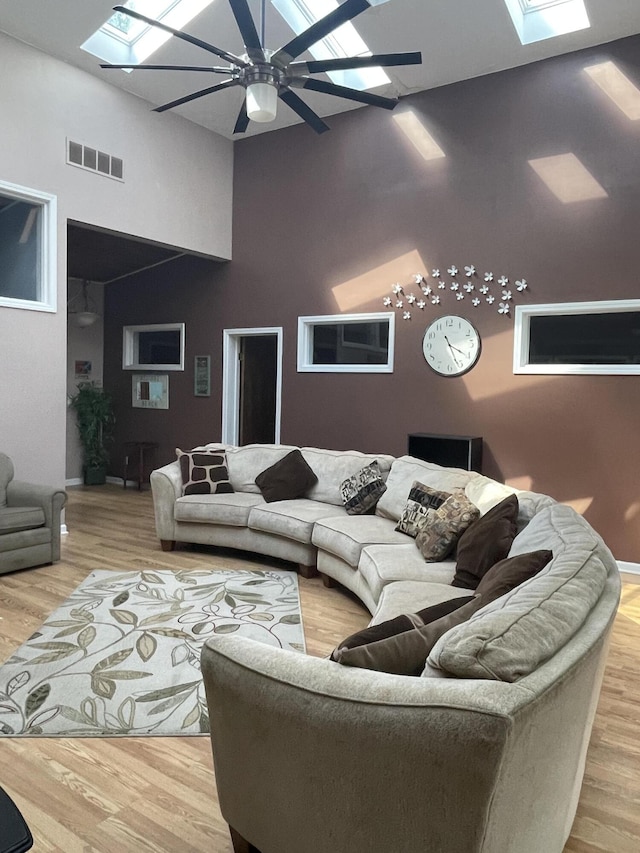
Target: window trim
(130,353)
(522,328)
(305,342)
(48,284)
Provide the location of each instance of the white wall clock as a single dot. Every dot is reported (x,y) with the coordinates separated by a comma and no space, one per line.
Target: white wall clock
(451,345)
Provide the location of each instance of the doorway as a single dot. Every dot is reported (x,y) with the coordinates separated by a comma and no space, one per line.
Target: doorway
(252,386)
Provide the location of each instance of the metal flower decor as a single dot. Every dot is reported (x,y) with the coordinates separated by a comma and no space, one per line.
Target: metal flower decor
(459,289)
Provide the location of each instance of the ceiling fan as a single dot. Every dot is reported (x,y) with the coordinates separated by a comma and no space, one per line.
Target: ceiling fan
(267,75)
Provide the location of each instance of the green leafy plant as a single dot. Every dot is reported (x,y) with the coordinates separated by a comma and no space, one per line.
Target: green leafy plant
(96,420)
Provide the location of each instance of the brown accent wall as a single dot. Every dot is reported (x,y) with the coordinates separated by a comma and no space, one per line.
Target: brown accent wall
(358,209)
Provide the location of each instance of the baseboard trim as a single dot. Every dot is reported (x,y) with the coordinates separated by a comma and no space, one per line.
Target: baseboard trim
(74,481)
(63,530)
(629,568)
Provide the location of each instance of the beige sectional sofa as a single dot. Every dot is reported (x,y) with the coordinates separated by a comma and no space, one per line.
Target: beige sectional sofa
(483,753)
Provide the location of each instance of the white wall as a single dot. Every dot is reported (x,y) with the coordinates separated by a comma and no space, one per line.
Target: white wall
(177,191)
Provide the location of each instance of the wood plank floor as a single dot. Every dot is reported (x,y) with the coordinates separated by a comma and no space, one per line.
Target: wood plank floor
(157,795)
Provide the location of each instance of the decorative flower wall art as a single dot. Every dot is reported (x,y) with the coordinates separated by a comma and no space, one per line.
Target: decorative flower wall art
(482,292)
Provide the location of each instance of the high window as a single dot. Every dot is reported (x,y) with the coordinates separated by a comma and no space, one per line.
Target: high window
(27,248)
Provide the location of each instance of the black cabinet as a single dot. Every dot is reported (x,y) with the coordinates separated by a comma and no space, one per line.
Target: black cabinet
(450,451)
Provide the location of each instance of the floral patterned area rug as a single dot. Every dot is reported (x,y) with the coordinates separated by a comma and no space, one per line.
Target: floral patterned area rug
(122,655)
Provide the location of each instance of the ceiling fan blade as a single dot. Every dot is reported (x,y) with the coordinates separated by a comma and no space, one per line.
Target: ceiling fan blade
(185,100)
(343,92)
(346,12)
(246,25)
(298,105)
(242,122)
(348,63)
(211,69)
(230,57)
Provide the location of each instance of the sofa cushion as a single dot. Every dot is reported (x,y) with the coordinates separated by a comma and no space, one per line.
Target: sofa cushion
(345,536)
(362,491)
(333,467)
(13,519)
(204,472)
(409,596)
(288,479)
(485,542)
(293,519)
(486,493)
(232,509)
(405,470)
(527,626)
(380,565)
(420,500)
(444,526)
(399,624)
(245,463)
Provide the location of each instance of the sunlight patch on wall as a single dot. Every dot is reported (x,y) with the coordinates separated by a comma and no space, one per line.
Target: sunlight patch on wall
(617,86)
(523,483)
(581,505)
(376,283)
(567,178)
(484,384)
(418,135)
(633,512)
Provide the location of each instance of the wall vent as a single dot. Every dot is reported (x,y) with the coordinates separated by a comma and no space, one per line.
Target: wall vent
(86,157)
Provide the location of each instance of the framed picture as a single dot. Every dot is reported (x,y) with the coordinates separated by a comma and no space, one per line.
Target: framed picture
(202,375)
(150,390)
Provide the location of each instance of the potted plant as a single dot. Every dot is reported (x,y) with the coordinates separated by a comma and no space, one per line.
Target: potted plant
(95,419)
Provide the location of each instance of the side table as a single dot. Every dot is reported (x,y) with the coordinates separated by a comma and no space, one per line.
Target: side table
(139,449)
(14,832)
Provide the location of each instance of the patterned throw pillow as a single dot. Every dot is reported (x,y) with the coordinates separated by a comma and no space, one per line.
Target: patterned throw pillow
(204,472)
(443,527)
(421,500)
(361,492)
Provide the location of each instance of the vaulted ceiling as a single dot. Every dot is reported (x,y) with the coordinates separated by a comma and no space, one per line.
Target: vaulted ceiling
(459,39)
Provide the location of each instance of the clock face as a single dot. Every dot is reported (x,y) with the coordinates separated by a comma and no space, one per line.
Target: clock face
(451,346)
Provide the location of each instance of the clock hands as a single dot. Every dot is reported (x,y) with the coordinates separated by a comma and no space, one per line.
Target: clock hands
(452,348)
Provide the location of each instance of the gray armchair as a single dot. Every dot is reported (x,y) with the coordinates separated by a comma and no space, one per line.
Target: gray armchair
(29,521)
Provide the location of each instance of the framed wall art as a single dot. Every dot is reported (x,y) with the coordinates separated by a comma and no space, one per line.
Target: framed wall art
(150,390)
(202,376)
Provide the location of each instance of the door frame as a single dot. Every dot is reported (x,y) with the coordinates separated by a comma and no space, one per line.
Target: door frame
(231,341)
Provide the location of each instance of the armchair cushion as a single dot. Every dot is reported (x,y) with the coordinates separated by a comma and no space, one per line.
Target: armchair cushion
(13,519)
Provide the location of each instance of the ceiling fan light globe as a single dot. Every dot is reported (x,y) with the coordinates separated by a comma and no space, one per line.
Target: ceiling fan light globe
(262,102)
(85,318)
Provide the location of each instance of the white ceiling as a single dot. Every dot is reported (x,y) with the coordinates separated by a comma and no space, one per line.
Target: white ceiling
(459,39)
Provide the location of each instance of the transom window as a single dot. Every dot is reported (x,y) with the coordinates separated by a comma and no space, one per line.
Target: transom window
(346,343)
(578,337)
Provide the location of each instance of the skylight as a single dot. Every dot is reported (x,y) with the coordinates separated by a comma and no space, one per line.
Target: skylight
(345,41)
(536,20)
(122,39)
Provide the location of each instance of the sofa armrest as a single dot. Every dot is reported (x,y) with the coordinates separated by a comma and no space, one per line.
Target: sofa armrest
(50,498)
(348,759)
(166,487)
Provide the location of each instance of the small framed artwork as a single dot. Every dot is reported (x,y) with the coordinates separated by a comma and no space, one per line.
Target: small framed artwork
(83,369)
(202,376)
(150,390)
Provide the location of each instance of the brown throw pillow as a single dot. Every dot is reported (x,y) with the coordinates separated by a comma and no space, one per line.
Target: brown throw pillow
(290,478)
(443,527)
(485,542)
(406,653)
(421,499)
(204,472)
(510,573)
(402,623)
